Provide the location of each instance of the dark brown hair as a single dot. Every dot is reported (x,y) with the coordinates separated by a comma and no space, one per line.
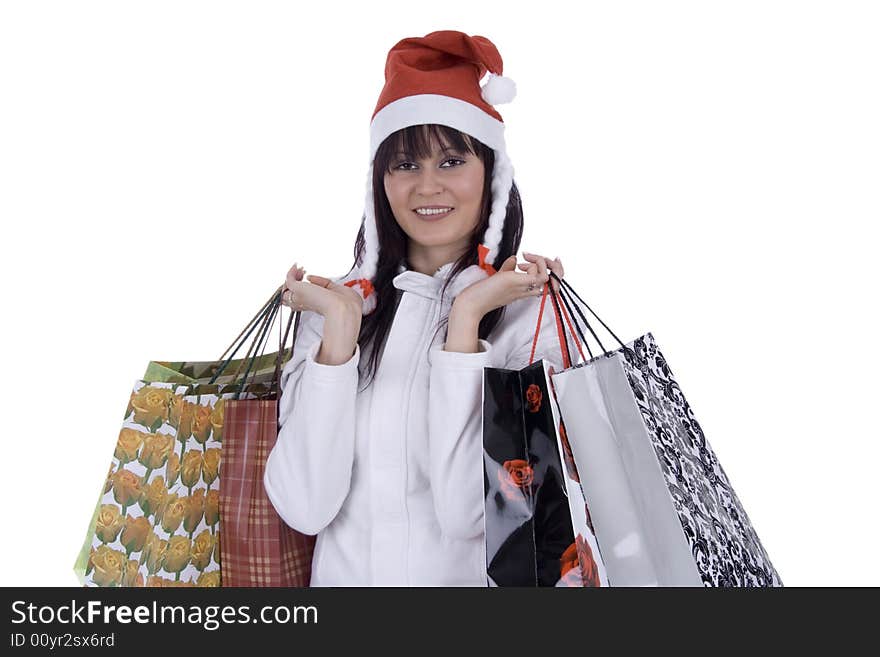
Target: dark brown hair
(415,142)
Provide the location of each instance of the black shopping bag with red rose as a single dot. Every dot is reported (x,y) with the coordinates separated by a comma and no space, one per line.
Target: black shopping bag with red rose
(538,528)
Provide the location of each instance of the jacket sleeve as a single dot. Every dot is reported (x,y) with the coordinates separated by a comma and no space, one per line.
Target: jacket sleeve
(455,439)
(308,471)
(455,413)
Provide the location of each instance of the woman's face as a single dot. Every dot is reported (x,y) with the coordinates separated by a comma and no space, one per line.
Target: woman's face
(450,179)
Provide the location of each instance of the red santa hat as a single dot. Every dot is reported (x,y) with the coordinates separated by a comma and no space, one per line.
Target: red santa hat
(436,79)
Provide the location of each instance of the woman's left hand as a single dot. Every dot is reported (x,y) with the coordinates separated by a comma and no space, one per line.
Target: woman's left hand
(508,285)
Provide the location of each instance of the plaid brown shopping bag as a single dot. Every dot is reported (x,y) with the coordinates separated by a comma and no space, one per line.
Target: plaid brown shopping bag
(257,547)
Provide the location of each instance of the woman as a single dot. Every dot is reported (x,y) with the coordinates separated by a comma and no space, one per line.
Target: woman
(389,474)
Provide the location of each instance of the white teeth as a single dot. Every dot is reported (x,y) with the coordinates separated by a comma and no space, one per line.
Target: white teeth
(428,211)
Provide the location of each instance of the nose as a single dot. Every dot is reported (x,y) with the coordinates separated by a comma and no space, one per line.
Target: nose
(428,182)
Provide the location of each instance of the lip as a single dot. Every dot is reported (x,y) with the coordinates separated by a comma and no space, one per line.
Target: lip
(433,217)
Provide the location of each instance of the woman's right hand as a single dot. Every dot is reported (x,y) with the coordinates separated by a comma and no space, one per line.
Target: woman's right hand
(341,307)
(320,295)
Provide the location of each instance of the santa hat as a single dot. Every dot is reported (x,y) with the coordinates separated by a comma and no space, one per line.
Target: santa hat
(436,79)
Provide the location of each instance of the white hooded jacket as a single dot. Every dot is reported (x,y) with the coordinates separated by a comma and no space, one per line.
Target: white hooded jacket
(391,478)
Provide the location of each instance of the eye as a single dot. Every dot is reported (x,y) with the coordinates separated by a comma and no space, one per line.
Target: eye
(403,166)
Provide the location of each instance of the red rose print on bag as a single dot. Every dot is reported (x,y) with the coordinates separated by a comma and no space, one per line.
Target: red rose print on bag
(515,477)
(533,398)
(568,568)
(570,467)
(589,570)
(589,518)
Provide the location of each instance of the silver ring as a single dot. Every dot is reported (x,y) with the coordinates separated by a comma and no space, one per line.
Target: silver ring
(290,298)
(531,287)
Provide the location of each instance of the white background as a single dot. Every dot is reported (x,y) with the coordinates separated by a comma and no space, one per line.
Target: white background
(707,171)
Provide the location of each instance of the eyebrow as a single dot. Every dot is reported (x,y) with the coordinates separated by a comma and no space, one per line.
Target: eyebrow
(450,149)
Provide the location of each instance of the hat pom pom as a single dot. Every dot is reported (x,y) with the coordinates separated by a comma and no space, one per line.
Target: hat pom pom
(498,90)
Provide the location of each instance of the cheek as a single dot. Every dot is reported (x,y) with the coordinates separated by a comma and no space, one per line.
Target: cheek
(394,191)
(471,188)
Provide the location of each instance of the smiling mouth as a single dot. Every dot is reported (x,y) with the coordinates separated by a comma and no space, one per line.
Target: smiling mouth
(433,215)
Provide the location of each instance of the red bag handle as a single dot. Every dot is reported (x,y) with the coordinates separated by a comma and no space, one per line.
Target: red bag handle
(560,331)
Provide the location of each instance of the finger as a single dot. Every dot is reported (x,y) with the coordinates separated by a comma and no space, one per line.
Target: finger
(537,289)
(553,266)
(542,269)
(294,274)
(319,280)
(508,264)
(556,267)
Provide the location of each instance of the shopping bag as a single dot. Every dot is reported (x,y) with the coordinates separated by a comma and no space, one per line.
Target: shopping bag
(537,522)
(258,548)
(663,508)
(157,521)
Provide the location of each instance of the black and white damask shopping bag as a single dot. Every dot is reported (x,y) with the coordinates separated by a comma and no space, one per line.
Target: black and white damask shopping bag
(664,511)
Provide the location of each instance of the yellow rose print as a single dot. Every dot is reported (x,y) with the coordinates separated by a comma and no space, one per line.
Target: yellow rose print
(172,470)
(151,406)
(109,523)
(156,450)
(178,554)
(191,468)
(130,406)
(217,420)
(109,565)
(128,444)
(131,576)
(126,487)
(175,406)
(210,578)
(217,547)
(134,534)
(202,547)
(154,553)
(153,496)
(212,507)
(201,424)
(173,512)
(211,465)
(184,429)
(109,483)
(195,509)
(158,582)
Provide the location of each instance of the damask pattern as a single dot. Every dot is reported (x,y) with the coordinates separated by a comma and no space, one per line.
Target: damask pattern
(724,545)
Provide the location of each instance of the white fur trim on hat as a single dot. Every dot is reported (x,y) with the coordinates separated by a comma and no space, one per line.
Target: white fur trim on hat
(435,108)
(502,182)
(370,260)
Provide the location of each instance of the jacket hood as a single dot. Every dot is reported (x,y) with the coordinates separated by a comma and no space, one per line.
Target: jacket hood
(409,280)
